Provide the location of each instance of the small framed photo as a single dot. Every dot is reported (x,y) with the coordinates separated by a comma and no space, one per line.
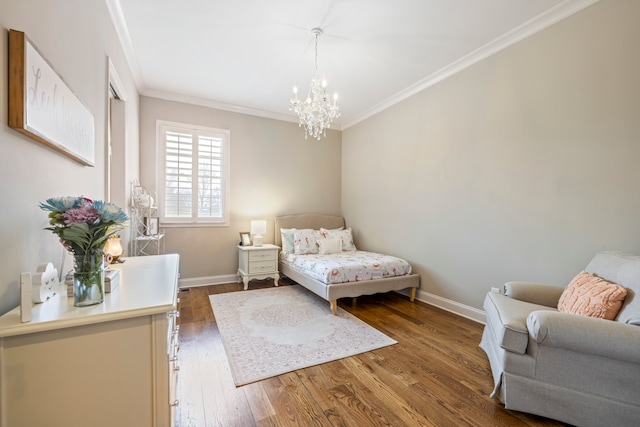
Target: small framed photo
(151,225)
(245,238)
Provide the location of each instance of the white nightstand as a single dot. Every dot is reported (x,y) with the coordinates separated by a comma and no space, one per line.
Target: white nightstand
(258,262)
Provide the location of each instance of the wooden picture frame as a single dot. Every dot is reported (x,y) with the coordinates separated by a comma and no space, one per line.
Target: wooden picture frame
(151,225)
(43,107)
(245,238)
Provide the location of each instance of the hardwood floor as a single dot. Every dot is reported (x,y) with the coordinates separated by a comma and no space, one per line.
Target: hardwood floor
(435,376)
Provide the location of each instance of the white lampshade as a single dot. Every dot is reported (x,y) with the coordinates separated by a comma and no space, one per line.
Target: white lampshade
(257,228)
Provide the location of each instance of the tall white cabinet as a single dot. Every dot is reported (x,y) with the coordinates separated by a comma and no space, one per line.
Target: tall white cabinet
(111,364)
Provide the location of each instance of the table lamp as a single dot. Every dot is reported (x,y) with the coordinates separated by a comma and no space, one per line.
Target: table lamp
(113,249)
(257,228)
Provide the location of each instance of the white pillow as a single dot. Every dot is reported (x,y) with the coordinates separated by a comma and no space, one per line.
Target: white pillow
(332,245)
(345,235)
(286,235)
(305,242)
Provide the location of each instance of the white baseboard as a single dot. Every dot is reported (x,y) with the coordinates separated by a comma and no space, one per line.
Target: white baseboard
(452,306)
(206,281)
(426,297)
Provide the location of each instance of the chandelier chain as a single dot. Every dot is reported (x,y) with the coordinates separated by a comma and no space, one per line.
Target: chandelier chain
(316,53)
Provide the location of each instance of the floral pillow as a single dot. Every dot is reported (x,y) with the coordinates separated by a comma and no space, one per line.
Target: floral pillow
(286,235)
(345,236)
(305,242)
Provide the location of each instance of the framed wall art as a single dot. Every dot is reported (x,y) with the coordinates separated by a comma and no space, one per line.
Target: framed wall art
(43,107)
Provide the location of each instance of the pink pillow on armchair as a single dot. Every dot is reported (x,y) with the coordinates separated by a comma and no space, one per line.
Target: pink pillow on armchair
(592,296)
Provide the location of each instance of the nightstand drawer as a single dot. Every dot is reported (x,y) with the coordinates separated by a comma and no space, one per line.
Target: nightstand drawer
(267,255)
(262,266)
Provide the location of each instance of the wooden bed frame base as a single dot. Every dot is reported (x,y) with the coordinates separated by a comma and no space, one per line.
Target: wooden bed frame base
(334,302)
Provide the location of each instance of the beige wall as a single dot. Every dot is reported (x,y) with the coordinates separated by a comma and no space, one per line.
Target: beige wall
(76,37)
(520,167)
(274,171)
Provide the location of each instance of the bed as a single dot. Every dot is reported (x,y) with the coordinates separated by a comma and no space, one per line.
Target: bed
(366,284)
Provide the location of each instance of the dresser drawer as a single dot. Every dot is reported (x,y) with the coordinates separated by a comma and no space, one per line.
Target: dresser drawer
(262,256)
(256,267)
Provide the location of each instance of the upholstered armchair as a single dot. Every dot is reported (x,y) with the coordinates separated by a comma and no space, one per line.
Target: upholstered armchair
(577,369)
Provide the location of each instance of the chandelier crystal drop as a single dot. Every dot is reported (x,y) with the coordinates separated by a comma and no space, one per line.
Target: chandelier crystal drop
(318,109)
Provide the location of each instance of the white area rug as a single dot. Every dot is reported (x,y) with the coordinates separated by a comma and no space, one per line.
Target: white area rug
(268,332)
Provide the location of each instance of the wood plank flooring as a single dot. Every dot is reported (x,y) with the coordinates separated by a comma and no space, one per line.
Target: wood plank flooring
(435,376)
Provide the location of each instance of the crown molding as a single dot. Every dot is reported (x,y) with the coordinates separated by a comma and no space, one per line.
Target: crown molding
(204,102)
(529,28)
(117,17)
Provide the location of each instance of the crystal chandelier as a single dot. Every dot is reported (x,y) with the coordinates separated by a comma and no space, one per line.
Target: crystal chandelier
(317,111)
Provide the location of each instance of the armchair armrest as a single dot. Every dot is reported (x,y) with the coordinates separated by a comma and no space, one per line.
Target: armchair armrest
(583,334)
(535,293)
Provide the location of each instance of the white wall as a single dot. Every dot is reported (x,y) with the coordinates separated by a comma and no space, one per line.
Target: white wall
(76,37)
(274,171)
(520,167)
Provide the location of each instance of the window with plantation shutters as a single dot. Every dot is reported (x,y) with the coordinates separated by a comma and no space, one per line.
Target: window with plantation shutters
(194,169)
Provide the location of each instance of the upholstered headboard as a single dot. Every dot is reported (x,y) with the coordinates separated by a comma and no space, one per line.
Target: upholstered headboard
(301,221)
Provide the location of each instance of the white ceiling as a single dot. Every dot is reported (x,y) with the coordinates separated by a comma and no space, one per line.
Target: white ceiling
(246,55)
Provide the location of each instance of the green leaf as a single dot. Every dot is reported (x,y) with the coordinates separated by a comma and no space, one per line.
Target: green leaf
(77,235)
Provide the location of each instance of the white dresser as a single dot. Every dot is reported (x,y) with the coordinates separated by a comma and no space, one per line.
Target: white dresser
(258,262)
(111,364)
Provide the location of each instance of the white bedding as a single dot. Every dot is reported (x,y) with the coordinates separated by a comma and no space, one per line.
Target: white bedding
(347,266)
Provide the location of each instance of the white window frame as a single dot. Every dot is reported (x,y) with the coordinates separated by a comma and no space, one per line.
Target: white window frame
(163,126)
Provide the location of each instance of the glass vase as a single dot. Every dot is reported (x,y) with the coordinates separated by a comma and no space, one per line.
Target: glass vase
(88,278)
